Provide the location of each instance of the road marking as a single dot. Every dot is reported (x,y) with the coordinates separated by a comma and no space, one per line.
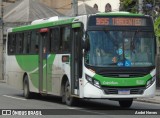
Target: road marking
(85,110)
(94,112)
(13,97)
(72,107)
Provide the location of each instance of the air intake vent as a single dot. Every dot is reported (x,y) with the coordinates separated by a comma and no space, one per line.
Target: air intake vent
(115,90)
(136,91)
(111,91)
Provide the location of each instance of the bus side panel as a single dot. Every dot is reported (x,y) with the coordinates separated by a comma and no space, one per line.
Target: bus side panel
(14,74)
(29,64)
(50,61)
(34,82)
(59,69)
(56,75)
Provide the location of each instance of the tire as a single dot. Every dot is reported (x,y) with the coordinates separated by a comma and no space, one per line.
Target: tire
(68,99)
(125,103)
(26,92)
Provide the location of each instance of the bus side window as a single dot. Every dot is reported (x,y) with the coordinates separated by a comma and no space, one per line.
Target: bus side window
(55,40)
(19,43)
(11,44)
(26,43)
(66,35)
(34,42)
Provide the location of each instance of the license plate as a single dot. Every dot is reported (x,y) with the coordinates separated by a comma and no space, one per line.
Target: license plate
(124,92)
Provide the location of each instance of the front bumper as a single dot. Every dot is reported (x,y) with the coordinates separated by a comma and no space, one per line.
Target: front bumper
(91,91)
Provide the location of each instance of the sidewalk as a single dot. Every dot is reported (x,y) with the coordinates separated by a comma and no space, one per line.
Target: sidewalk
(155,99)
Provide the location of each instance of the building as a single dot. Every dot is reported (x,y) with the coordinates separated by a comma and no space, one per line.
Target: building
(60,5)
(63,6)
(104,5)
(101,5)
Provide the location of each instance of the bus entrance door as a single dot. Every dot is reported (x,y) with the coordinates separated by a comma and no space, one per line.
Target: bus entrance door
(76,63)
(43,60)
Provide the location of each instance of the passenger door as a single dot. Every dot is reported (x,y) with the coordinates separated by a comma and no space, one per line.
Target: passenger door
(43,54)
(76,57)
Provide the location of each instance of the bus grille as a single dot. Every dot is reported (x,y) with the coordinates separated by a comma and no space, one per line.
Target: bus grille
(115,90)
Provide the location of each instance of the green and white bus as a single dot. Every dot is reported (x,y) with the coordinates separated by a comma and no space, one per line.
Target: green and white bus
(104,56)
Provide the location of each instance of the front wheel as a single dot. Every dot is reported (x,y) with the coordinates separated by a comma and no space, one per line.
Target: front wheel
(26,92)
(125,103)
(68,99)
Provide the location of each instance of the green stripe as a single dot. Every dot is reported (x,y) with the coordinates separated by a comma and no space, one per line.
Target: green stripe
(120,82)
(76,25)
(27,63)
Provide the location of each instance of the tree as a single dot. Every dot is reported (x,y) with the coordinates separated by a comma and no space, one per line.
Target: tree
(157,28)
(132,6)
(129,5)
(148,6)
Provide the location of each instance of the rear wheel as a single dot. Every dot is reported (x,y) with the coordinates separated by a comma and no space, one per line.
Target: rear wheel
(26,92)
(68,99)
(125,103)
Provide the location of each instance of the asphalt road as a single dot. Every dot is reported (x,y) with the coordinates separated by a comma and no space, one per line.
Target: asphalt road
(12,99)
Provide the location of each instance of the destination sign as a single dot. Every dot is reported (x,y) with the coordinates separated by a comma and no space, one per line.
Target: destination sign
(119,21)
(128,21)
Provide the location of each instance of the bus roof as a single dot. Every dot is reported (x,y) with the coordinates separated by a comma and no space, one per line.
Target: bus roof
(121,13)
(68,21)
(43,25)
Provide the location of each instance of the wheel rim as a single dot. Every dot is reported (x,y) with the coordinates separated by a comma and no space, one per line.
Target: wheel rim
(67,93)
(25,89)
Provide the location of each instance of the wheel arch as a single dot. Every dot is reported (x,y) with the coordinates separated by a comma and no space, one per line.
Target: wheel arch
(64,80)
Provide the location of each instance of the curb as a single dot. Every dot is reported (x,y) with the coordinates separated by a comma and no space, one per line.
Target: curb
(154,101)
(148,101)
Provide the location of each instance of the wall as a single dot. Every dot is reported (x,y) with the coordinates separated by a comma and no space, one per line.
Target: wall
(61,6)
(102,3)
(64,5)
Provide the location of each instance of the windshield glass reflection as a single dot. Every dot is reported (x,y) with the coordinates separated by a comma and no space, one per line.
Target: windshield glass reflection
(120,48)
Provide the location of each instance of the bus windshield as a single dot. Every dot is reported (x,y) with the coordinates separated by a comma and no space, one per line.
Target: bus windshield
(120,49)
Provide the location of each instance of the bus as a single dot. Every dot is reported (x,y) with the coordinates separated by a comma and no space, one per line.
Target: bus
(97,56)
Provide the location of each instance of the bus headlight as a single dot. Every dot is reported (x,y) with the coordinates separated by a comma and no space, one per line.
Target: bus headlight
(151,81)
(92,81)
(89,79)
(96,83)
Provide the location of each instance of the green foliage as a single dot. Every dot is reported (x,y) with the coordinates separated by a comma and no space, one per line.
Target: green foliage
(128,5)
(132,6)
(147,10)
(126,2)
(157,28)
